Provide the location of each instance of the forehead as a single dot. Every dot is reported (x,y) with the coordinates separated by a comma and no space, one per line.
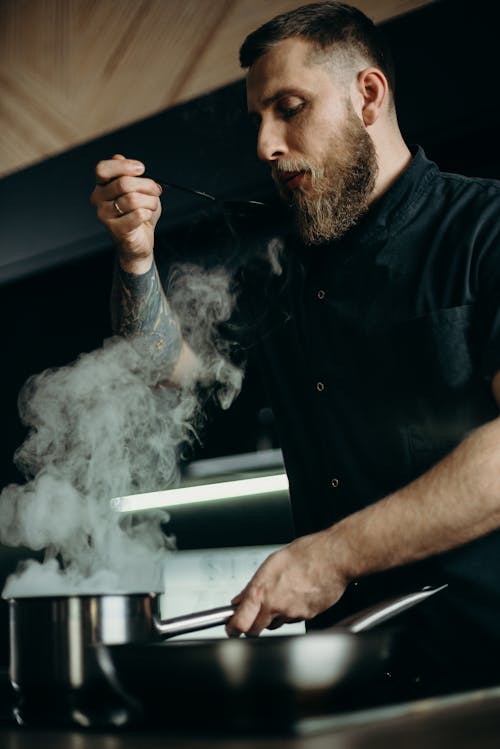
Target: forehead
(286,65)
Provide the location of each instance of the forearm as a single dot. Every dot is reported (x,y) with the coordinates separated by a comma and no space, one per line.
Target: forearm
(453,503)
(140,309)
(457,501)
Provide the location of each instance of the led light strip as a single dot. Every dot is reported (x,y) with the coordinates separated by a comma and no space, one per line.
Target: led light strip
(190,495)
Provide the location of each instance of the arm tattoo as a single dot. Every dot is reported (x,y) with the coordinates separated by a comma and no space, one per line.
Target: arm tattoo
(139,310)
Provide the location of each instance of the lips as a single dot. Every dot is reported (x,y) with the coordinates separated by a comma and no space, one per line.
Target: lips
(291,179)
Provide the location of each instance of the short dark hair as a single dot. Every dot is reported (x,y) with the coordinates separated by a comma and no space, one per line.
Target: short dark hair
(325,24)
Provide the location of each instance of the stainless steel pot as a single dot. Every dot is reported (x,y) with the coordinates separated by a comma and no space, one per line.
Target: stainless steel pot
(52,639)
(58,648)
(112,619)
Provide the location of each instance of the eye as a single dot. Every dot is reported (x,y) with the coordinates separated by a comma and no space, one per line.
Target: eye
(290,106)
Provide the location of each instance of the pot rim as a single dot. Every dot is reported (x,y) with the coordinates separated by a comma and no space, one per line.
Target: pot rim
(67,596)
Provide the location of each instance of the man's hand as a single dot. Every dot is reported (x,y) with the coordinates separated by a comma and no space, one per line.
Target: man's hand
(298,582)
(129,206)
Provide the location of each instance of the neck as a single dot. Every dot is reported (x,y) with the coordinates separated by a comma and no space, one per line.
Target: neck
(393,156)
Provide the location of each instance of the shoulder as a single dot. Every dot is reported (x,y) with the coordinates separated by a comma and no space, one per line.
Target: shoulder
(475,191)
(463,209)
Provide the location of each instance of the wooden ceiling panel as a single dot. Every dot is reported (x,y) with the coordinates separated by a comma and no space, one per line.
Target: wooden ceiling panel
(72,70)
(220,65)
(144,69)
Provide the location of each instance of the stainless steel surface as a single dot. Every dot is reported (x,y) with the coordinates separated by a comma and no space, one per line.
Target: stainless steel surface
(386,610)
(302,663)
(193,622)
(104,619)
(182,188)
(84,620)
(59,651)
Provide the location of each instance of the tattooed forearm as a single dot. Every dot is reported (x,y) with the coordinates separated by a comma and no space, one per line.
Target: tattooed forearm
(139,309)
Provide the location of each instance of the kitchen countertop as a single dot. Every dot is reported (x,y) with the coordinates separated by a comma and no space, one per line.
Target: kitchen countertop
(471,719)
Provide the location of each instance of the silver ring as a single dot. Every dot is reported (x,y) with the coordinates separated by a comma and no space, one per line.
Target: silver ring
(118,209)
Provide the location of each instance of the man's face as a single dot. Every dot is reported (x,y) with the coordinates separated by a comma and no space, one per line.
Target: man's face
(322,159)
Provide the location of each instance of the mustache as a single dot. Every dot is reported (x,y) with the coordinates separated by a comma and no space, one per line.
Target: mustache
(284,166)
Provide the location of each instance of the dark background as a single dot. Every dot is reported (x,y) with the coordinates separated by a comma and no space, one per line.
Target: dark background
(56,259)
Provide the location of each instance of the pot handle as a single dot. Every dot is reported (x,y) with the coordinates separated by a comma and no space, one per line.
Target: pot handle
(181,625)
(385,610)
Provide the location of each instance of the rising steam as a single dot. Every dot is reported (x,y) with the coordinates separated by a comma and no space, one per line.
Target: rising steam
(100,428)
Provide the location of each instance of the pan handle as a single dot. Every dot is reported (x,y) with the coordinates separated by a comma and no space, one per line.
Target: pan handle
(385,610)
(359,622)
(181,625)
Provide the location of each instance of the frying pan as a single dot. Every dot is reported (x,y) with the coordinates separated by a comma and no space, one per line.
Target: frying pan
(50,636)
(92,659)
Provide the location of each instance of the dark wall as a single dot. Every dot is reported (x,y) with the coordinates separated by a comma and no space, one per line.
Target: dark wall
(446,56)
(55,263)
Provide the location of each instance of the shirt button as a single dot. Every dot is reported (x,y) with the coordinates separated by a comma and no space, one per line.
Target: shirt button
(334,483)
(320,387)
(320,294)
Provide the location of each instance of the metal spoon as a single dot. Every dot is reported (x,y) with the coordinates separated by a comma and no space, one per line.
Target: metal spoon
(226,203)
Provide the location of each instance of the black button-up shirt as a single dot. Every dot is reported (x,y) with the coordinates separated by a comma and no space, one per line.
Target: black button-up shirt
(378,352)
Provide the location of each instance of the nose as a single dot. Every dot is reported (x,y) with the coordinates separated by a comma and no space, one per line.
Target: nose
(271,143)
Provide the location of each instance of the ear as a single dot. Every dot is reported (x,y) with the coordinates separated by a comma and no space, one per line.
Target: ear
(372,84)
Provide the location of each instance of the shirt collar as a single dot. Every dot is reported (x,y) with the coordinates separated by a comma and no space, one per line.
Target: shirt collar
(390,211)
(399,201)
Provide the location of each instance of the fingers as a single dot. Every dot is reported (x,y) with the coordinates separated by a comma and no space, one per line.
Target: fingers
(144,206)
(263,620)
(251,618)
(127,204)
(253,614)
(124,185)
(122,226)
(109,169)
(117,178)
(245,618)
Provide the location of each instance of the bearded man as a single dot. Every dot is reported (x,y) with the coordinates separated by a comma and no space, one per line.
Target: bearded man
(381,351)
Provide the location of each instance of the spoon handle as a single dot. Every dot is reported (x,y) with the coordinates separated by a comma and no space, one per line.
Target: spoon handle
(189,190)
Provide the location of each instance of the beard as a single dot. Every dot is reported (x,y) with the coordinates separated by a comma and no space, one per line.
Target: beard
(337,195)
